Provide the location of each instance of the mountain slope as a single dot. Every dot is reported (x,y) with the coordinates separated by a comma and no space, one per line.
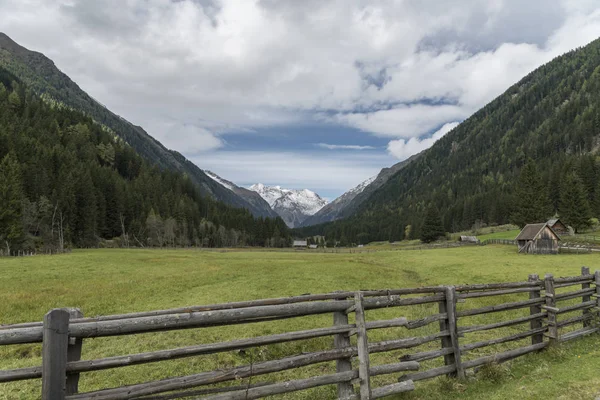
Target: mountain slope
(65,181)
(293,206)
(345,205)
(552,116)
(41,75)
(249,196)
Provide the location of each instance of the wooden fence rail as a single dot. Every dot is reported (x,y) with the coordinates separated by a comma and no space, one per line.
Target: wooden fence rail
(63,331)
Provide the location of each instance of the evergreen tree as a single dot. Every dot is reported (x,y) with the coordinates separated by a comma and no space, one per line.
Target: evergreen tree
(531,202)
(574,206)
(432,228)
(11,193)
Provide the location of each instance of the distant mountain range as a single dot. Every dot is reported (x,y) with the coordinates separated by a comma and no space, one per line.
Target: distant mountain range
(293,206)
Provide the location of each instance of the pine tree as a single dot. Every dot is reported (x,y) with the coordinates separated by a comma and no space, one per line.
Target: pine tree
(432,228)
(531,201)
(11,193)
(574,206)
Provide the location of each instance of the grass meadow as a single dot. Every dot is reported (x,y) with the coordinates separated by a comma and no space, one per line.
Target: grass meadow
(111,281)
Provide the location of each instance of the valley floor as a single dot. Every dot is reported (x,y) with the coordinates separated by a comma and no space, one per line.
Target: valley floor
(107,281)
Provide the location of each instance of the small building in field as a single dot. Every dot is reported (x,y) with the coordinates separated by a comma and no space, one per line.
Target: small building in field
(313,246)
(468,239)
(558,227)
(300,244)
(538,239)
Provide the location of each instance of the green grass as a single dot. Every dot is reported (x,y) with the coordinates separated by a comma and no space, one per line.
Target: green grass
(104,282)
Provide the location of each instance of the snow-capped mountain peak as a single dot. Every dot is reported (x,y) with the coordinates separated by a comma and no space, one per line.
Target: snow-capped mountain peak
(294,206)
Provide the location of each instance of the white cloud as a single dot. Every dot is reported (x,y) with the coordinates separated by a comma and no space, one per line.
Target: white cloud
(190,139)
(343,146)
(391,68)
(402,149)
(403,121)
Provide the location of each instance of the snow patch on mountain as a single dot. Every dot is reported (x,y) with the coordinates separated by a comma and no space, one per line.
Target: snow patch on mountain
(294,206)
(219,180)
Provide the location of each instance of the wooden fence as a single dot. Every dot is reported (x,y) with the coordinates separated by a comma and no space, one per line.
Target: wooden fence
(456,340)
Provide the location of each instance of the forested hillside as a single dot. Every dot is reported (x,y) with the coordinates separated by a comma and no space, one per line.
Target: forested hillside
(42,76)
(66,180)
(551,116)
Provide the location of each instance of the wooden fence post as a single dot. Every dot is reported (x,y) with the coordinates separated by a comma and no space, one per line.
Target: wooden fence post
(550,308)
(597,282)
(363,349)
(448,306)
(54,354)
(74,354)
(535,309)
(340,341)
(586,312)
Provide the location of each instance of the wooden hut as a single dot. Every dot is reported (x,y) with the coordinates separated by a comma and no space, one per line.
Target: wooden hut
(558,227)
(538,239)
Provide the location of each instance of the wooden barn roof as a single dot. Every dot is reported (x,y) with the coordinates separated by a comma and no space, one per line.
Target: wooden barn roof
(530,231)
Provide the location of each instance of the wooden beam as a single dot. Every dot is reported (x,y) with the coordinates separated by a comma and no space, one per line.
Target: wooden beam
(536,323)
(586,286)
(54,354)
(340,341)
(551,307)
(363,349)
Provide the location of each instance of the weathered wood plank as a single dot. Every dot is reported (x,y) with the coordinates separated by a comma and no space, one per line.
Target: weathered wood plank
(574,294)
(73,354)
(453,329)
(427,355)
(504,356)
(574,279)
(340,341)
(551,303)
(581,306)
(516,321)
(535,310)
(394,388)
(20,374)
(203,392)
(285,387)
(363,349)
(54,355)
(386,369)
(574,320)
(430,373)
(493,286)
(577,334)
(418,323)
(500,307)
(587,297)
(469,295)
(516,336)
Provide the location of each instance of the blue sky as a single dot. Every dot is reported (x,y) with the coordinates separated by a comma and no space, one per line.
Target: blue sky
(317,94)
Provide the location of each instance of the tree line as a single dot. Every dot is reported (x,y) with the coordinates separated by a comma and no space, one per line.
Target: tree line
(66,180)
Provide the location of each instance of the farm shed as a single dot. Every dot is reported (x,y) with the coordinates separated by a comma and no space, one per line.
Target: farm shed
(537,239)
(468,239)
(299,243)
(558,227)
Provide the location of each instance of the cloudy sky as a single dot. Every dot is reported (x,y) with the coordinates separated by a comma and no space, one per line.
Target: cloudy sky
(300,93)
